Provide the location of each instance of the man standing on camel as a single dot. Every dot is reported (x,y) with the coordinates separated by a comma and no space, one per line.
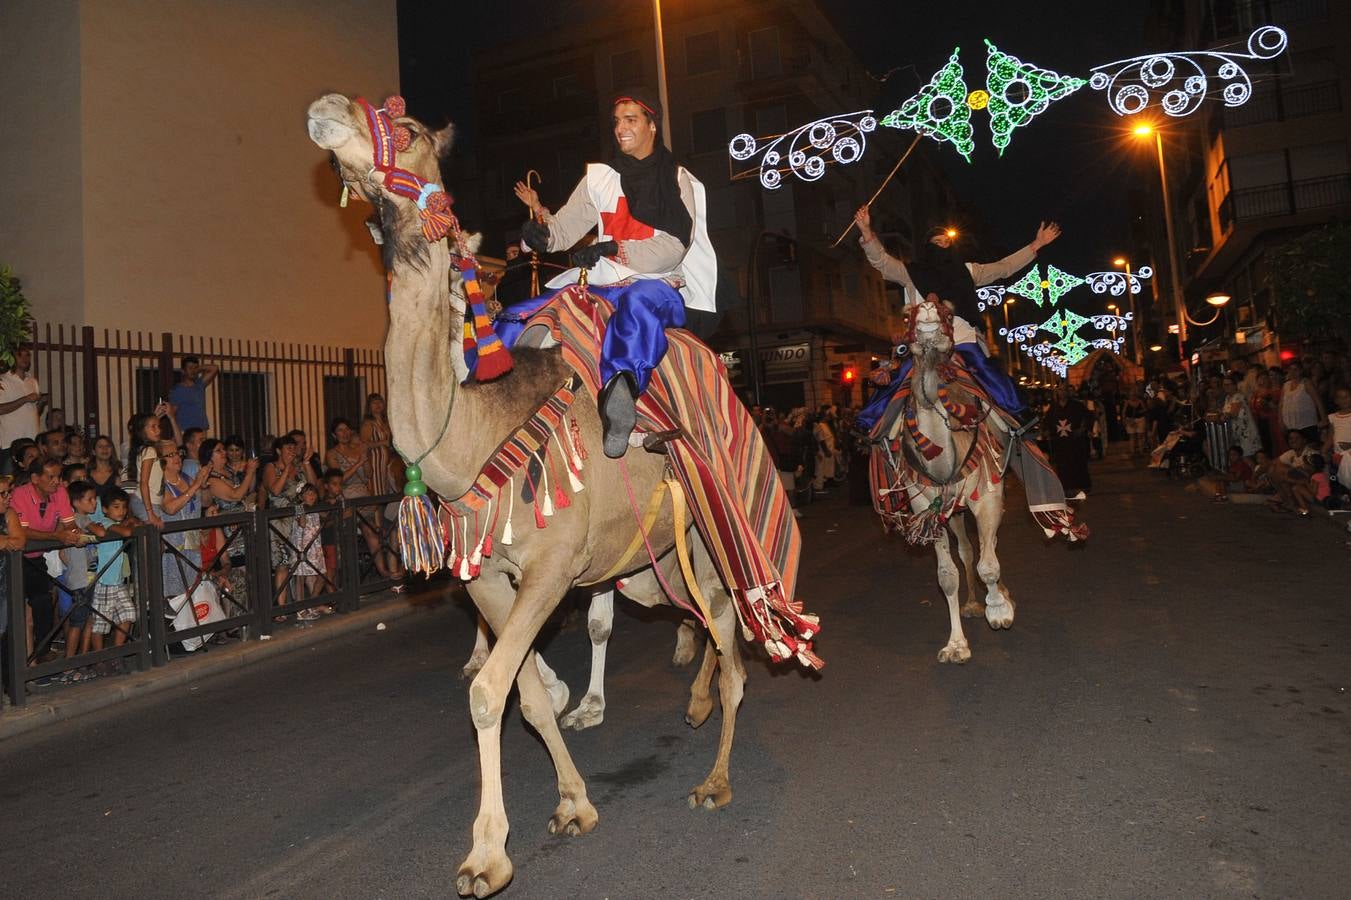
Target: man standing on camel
(938,269)
(652,252)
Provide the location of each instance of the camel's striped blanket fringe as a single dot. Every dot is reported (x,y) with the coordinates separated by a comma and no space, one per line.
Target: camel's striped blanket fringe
(724,467)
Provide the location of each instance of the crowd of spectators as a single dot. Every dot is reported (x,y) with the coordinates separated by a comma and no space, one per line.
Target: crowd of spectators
(813,451)
(83,493)
(1282,434)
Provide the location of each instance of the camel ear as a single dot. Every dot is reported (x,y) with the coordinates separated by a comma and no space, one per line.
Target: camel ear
(442,140)
(474,241)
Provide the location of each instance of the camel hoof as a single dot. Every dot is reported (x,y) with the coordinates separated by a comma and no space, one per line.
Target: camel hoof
(973,609)
(469,883)
(475,664)
(712,794)
(698,712)
(1000,616)
(955,653)
(589,713)
(573,818)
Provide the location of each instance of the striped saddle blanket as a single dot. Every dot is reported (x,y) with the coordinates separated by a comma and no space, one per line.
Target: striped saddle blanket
(735,496)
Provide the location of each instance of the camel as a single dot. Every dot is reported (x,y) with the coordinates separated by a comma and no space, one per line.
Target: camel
(955,471)
(458,428)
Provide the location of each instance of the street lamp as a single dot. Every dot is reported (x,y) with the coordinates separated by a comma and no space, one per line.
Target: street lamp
(1135,316)
(1144,130)
(1013,361)
(661,77)
(1217,300)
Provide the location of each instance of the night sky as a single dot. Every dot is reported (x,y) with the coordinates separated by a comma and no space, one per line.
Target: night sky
(1073,164)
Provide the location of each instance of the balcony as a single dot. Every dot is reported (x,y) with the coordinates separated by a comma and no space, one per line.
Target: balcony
(1314,99)
(1284,199)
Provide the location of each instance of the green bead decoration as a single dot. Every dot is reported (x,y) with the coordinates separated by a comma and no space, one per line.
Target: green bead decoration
(413,484)
(940,109)
(1019,92)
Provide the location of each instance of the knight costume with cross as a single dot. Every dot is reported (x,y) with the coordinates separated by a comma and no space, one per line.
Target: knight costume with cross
(652,249)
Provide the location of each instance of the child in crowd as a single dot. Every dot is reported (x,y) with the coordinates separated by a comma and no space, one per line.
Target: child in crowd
(73,472)
(114,598)
(329,531)
(1235,478)
(72,588)
(305,537)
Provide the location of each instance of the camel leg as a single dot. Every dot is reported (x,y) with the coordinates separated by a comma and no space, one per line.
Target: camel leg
(557,687)
(516,618)
(956,650)
(575,815)
(973,606)
(998,604)
(716,791)
(701,695)
(481,648)
(686,637)
(599,621)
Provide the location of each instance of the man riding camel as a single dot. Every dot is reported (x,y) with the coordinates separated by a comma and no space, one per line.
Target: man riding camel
(652,251)
(937,269)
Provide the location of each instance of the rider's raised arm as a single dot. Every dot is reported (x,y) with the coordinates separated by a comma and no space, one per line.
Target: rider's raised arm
(989,273)
(662,252)
(576,218)
(892,269)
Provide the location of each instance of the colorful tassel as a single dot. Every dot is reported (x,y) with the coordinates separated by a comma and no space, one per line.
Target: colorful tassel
(491,357)
(421,541)
(511,506)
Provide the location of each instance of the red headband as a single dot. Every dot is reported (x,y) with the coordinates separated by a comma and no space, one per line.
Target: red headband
(650,111)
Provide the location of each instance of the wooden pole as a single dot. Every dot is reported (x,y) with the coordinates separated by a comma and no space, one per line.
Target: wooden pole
(894,169)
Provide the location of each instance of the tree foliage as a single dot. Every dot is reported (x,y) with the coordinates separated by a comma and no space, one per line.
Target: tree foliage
(1310,278)
(16,321)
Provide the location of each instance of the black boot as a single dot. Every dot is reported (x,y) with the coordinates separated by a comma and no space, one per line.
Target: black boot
(618,416)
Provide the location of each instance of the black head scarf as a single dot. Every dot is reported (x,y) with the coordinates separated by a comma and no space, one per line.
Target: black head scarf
(935,270)
(651,184)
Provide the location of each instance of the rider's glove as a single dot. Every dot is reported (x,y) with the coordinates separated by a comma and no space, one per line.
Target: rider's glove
(587,257)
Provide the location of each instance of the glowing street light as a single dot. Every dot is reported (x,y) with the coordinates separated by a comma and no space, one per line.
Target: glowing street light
(1144,130)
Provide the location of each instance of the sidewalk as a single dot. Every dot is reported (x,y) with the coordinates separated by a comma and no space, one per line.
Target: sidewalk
(50,705)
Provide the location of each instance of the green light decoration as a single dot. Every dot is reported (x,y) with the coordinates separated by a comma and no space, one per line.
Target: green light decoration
(1072,347)
(940,109)
(1019,92)
(1050,289)
(1064,323)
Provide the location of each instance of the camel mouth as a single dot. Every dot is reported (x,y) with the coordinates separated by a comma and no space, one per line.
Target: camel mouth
(328,121)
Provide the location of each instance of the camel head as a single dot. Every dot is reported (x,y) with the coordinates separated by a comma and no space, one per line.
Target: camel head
(929,328)
(392,161)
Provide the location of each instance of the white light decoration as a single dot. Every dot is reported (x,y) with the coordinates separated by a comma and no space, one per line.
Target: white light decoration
(1178,82)
(1019,334)
(1111,322)
(806,150)
(1114,283)
(1113,344)
(990,296)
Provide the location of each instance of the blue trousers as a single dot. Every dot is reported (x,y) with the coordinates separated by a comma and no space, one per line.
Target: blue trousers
(996,384)
(635,338)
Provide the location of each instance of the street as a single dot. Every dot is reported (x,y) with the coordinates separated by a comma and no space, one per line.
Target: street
(1167,717)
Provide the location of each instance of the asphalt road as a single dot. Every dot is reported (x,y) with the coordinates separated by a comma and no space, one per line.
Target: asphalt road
(1167,717)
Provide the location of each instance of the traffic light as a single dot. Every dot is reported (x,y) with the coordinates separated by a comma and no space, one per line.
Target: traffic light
(848,375)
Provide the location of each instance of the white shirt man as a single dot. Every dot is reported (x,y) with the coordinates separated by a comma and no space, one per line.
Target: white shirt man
(20,400)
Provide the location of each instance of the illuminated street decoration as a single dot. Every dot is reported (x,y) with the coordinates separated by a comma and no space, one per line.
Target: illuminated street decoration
(1111,322)
(1015,93)
(1019,92)
(805,151)
(1072,348)
(1064,322)
(1114,345)
(1178,82)
(990,296)
(1019,334)
(940,110)
(1050,289)
(1115,282)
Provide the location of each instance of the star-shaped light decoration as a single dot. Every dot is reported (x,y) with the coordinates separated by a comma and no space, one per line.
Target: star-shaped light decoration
(1019,92)
(1050,289)
(1072,347)
(940,110)
(1064,322)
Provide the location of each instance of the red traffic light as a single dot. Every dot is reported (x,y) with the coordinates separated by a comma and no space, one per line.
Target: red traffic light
(848,375)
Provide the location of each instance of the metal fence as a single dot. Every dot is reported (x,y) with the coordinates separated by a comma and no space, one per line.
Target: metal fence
(173,591)
(101,377)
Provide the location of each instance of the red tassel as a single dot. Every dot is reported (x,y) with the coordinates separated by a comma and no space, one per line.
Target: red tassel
(539,514)
(488,545)
(493,365)
(561,500)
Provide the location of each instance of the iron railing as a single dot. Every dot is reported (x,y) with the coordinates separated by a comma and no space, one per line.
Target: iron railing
(1284,198)
(252,600)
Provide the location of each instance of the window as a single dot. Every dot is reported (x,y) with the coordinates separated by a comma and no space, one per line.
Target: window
(771,120)
(701,53)
(626,69)
(512,99)
(765,52)
(243,406)
(567,86)
(708,130)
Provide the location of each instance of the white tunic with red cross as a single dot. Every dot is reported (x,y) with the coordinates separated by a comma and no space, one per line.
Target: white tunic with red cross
(697,274)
